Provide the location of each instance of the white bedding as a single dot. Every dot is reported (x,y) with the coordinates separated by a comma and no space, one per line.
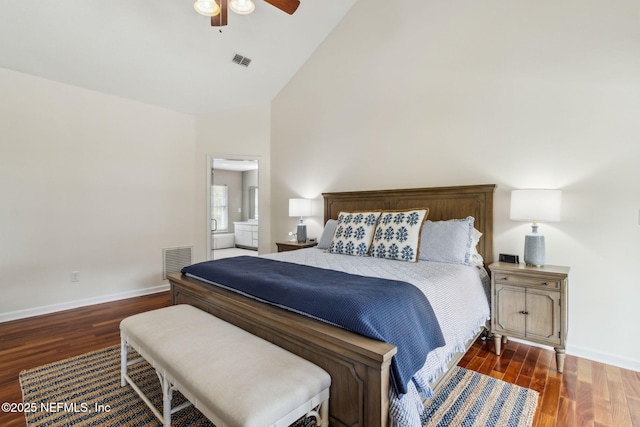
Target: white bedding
(457,293)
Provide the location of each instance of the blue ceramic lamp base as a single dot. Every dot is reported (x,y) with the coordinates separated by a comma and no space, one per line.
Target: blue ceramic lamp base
(302,233)
(534,252)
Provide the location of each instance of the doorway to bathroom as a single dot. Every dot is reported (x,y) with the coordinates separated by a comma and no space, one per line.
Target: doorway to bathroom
(234,206)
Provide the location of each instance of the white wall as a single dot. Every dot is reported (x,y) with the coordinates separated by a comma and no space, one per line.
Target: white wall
(98,184)
(90,183)
(235,134)
(521,94)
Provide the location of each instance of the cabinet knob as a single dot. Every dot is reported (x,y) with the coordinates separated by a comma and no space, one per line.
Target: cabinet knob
(524,312)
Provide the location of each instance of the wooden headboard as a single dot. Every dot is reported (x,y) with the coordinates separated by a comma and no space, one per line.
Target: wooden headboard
(443,203)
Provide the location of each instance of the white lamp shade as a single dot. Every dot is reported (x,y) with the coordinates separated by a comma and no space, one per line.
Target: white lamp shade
(536,205)
(299,207)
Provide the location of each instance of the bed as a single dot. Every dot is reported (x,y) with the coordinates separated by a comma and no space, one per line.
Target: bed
(359,366)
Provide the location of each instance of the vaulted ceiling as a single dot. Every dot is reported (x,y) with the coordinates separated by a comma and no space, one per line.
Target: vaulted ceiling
(162,52)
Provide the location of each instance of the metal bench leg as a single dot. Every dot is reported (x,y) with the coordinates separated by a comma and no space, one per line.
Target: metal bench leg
(324,414)
(167,396)
(321,414)
(124,355)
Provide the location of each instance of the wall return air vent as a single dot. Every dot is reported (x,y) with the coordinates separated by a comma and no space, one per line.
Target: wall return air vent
(173,259)
(241,60)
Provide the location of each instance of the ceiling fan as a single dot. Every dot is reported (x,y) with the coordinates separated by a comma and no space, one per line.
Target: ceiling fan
(217,9)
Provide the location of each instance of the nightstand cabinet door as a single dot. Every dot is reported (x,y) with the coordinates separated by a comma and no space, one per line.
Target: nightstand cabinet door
(546,325)
(528,313)
(510,307)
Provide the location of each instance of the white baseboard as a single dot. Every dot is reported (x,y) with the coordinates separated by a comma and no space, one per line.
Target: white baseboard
(604,357)
(591,354)
(36,311)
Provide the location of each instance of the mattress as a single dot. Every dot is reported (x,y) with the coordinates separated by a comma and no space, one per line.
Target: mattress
(459,296)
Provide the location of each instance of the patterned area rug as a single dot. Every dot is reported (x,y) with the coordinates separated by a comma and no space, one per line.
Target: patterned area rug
(471,399)
(85,391)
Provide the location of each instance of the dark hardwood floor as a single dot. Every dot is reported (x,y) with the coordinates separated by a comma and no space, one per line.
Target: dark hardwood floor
(586,394)
(36,341)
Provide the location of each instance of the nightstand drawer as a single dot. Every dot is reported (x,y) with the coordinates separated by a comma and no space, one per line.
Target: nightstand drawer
(512,279)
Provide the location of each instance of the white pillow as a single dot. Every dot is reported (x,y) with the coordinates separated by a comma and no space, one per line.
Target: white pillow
(475,258)
(354,233)
(397,235)
(327,234)
(447,241)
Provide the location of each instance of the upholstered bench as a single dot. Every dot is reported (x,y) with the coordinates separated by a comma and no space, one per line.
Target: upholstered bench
(233,377)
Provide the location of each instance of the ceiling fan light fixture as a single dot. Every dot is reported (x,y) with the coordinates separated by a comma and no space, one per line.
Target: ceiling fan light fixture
(242,7)
(207,7)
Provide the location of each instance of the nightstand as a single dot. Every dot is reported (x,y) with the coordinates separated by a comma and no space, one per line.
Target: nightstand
(292,246)
(530,303)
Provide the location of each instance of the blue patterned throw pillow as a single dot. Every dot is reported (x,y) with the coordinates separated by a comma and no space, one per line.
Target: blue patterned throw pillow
(353,233)
(397,235)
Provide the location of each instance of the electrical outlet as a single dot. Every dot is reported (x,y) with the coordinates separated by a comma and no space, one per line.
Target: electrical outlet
(75,276)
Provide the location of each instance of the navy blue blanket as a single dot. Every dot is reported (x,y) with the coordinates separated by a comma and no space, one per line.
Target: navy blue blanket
(392,311)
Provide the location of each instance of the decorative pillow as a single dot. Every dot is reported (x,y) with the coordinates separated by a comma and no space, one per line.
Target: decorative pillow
(397,235)
(475,258)
(327,234)
(354,233)
(447,241)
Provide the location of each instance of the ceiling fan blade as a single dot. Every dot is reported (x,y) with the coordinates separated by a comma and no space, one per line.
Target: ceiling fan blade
(288,6)
(220,20)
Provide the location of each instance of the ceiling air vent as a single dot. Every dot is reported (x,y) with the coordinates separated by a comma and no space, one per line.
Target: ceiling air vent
(241,60)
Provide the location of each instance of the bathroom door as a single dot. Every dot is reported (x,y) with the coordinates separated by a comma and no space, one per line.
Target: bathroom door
(233,201)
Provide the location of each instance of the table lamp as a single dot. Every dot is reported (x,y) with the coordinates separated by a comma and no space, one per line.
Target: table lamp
(535,205)
(301,208)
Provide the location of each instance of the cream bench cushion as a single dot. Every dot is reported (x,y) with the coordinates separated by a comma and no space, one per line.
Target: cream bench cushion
(233,377)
